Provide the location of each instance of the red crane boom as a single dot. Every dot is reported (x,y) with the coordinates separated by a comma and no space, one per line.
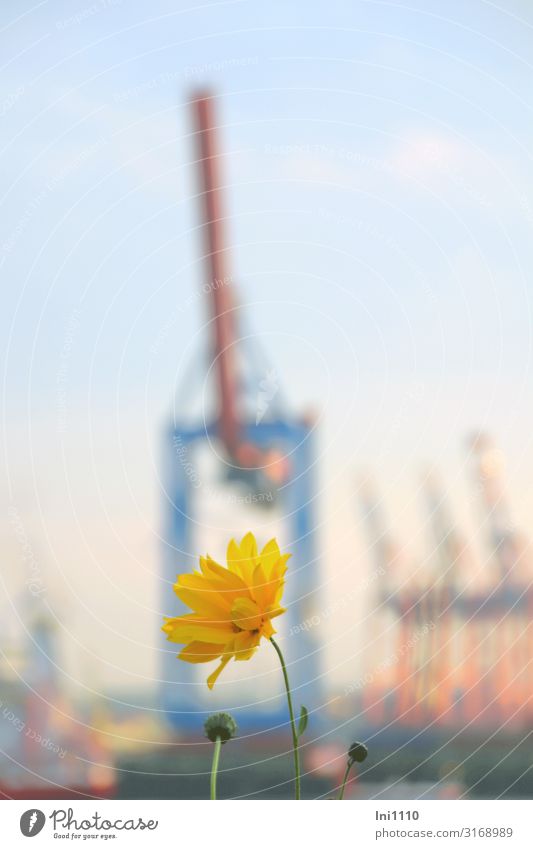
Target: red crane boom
(216,256)
(270,463)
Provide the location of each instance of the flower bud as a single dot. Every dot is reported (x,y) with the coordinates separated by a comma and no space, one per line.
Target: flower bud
(220,725)
(357,753)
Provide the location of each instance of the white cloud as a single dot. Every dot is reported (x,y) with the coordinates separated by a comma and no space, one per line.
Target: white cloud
(425,154)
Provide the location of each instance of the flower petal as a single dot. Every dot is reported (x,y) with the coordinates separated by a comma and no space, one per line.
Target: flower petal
(270,555)
(233,557)
(197,652)
(185,629)
(245,645)
(214,675)
(239,562)
(207,586)
(249,545)
(221,579)
(274,611)
(268,629)
(279,569)
(261,589)
(203,602)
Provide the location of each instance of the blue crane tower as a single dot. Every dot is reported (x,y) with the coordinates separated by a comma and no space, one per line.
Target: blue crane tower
(269,452)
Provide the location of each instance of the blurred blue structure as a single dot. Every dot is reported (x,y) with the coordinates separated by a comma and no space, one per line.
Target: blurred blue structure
(180,684)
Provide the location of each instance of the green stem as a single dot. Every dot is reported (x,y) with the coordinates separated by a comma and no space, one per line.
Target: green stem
(345,779)
(293,723)
(214,768)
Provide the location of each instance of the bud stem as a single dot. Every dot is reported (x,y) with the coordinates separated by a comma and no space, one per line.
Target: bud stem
(345,779)
(214,768)
(293,723)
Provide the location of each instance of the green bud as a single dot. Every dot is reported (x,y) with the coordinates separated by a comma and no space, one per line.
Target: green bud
(357,753)
(220,725)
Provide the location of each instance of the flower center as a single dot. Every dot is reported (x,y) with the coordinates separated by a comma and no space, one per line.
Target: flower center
(246,615)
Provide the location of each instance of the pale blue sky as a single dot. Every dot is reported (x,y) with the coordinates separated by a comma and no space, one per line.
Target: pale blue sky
(379,171)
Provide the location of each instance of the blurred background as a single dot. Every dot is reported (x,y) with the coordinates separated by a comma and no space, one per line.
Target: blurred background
(267,267)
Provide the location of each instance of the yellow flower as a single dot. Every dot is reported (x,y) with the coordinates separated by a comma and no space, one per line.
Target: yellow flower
(232,607)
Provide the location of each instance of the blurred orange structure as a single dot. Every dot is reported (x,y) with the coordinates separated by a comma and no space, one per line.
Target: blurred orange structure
(461,637)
